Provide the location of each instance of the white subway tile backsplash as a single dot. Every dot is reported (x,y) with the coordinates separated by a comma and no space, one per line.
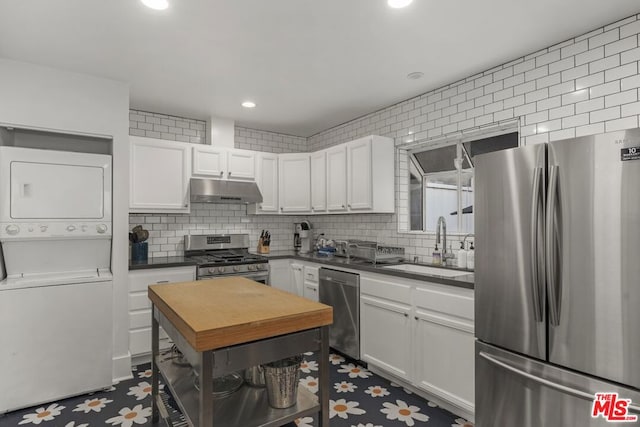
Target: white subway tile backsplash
(590,56)
(562,88)
(631,109)
(630,29)
(536,73)
(574,49)
(621,72)
(575,96)
(630,56)
(548,58)
(514,80)
(574,73)
(549,103)
(604,38)
(590,105)
(620,124)
(564,64)
(560,112)
(604,115)
(605,89)
(621,98)
(562,134)
(575,121)
(621,45)
(590,80)
(514,101)
(536,95)
(525,66)
(593,129)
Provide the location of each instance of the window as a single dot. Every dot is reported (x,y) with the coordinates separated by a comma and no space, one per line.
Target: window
(441,182)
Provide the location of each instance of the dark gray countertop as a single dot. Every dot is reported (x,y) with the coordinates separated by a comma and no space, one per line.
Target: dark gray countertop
(465,281)
(161,262)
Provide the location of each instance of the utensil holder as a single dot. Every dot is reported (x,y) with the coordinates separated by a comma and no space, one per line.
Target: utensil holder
(139,251)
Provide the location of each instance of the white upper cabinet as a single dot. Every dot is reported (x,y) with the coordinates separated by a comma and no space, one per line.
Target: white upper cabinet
(295,182)
(241,164)
(267,179)
(318,182)
(337,178)
(209,161)
(159,176)
(359,185)
(370,170)
(224,163)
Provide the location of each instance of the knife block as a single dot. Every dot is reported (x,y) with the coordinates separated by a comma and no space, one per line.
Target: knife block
(262,249)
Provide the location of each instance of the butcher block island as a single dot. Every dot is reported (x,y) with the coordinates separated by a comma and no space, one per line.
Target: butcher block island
(223,326)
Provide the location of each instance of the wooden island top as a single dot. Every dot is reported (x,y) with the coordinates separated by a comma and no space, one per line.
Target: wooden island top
(216,313)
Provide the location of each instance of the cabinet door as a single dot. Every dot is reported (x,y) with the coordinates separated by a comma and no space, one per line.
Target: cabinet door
(241,165)
(444,355)
(297,279)
(295,182)
(359,175)
(268,182)
(385,332)
(318,182)
(311,291)
(209,161)
(280,276)
(140,306)
(159,176)
(337,178)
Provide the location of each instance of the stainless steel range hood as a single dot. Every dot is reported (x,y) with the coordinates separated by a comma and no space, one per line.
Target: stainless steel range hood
(216,191)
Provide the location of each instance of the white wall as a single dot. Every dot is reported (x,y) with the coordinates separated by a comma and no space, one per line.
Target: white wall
(35,96)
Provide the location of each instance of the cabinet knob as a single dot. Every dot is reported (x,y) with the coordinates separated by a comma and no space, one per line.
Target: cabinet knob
(221,173)
(406,315)
(281,208)
(349,205)
(416,317)
(229,173)
(312,208)
(186,205)
(342,206)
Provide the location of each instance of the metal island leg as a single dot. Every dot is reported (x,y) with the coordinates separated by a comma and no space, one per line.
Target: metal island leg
(155,377)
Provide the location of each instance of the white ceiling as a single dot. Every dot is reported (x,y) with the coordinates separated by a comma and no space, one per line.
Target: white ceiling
(308,64)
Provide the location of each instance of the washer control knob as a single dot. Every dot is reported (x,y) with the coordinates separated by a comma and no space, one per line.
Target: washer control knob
(12,230)
(71,228)
(101,228)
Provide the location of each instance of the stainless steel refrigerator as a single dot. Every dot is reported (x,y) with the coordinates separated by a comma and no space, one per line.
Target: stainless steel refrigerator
(557,293)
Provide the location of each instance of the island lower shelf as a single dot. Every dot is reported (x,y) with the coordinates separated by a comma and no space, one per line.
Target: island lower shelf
(248,406)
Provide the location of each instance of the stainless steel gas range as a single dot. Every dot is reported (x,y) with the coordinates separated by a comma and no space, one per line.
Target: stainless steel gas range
(225,255)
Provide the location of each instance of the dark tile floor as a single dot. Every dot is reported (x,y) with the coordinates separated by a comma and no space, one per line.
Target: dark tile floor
(359,398)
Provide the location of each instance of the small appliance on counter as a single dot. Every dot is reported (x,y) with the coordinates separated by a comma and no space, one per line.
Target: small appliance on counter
(303,237)
(374,252)
(138,245)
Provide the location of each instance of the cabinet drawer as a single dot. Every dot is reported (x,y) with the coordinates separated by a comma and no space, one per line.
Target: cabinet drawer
(311,274)
(451,302)
(384,289)
(139,301)
(140,319)
(139,280)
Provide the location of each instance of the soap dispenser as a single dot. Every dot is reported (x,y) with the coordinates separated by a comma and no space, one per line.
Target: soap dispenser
(462,256)
(470,257)
(437,256)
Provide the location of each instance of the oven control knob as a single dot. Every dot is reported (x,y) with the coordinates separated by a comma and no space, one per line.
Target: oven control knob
(212,270)
(101,228)
(236,268)
(43,228)
(262,267)
(12,230)
(252,267)
(84,228)
(221,269)
(71,228)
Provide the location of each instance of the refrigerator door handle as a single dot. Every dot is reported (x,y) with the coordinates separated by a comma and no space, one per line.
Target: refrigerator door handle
(562,388)
(551,258)
(535,256)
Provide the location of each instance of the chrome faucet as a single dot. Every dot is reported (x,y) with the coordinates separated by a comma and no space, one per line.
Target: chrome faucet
(464,241)
(442,223)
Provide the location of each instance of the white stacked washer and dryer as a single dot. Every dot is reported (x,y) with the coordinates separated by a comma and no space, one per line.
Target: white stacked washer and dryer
(56,321)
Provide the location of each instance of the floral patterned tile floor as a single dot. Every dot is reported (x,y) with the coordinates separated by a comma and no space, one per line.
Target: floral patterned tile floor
(358,398)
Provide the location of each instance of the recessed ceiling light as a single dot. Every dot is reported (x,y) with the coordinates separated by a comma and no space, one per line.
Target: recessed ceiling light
(248,104)
(397,4)
(415,75)
(156,4)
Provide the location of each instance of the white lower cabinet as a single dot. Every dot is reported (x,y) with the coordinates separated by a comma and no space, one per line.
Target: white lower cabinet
(280,275)
(421,333)
(311,290)
(140,306)
(386,332)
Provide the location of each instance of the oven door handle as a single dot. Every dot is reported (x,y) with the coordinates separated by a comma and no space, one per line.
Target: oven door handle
(252,276)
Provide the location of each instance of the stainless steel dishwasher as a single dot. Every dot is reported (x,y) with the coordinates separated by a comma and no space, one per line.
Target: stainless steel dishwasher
(342,291)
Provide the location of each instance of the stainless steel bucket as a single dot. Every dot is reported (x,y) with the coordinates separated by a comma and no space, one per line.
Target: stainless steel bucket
(282,381)
(254,376)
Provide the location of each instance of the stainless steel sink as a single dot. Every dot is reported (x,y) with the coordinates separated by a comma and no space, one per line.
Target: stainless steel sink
(427,270)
